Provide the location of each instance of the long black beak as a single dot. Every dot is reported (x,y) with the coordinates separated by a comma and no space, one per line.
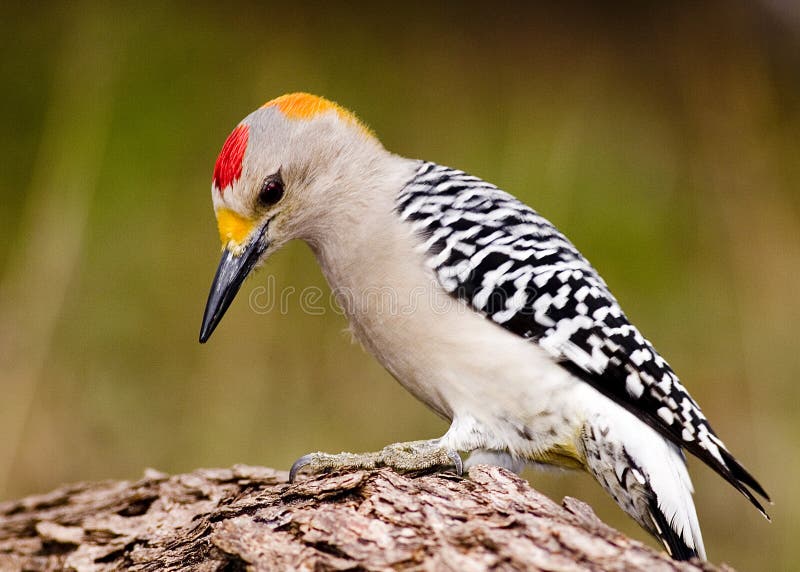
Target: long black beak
(231,272)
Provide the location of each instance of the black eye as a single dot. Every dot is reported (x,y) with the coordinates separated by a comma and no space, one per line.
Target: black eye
(271,191)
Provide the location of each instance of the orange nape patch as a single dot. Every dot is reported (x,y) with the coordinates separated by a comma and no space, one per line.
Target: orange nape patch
(228,168)
(233,228)
(305,106)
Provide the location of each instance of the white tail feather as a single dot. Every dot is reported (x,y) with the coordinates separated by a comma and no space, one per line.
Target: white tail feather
(635,465)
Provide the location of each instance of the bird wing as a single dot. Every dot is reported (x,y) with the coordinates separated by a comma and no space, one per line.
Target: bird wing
(513,266)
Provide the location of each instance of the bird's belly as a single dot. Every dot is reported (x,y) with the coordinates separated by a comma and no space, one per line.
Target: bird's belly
(501,391)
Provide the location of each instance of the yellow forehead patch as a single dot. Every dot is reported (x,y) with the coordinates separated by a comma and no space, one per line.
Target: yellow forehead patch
(305,106)
(233,227)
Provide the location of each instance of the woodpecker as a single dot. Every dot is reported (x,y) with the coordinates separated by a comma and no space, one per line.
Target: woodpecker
(497,321)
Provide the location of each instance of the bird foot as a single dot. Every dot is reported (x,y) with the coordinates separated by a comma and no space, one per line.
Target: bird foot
(407,457)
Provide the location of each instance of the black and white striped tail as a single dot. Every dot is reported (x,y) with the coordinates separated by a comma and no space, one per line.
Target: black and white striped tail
(674,543)
(646,475)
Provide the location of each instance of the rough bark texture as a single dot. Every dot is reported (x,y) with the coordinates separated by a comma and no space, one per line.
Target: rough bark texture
(249,518)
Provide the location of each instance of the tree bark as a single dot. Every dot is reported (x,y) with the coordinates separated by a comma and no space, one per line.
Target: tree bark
(250,518)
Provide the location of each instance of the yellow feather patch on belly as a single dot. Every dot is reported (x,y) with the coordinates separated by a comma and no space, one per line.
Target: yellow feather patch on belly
(562,455)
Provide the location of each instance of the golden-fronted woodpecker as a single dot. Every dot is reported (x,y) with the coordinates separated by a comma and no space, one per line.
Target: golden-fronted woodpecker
(532,361)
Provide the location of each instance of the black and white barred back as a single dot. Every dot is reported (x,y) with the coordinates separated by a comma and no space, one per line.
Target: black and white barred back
(513,266)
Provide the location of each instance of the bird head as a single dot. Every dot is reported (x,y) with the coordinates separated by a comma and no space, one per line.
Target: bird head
(277,173)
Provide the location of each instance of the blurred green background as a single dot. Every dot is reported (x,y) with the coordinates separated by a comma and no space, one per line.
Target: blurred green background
(663,139)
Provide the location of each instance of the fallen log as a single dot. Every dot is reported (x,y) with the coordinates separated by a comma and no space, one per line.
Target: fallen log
(251,518)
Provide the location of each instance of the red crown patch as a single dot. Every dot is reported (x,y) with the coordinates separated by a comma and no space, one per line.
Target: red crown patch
(229,163)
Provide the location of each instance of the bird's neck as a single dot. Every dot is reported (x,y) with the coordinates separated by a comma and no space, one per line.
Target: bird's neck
(361,242)
(362,224)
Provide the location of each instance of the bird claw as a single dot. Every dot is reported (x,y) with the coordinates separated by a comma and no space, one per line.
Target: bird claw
(458,464)
(402,457)
(299,465)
